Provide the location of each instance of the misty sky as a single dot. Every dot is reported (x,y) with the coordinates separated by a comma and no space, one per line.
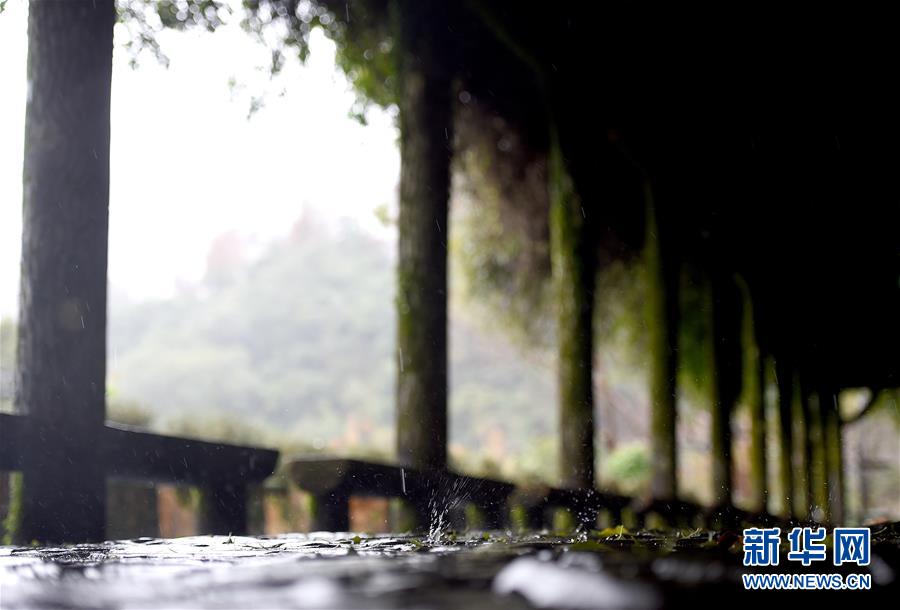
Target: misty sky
(188,165)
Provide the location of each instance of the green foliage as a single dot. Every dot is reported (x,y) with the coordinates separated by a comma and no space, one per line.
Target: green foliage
(284,26)
(496,288)
(223,428)
(628,468)
(462,461)
(365,54)
(619,321)
(144,19)
(500,248)
(490,263)
(500,243)
(278,345)
(360,29)
(296,350)
(182,14)
(13,520)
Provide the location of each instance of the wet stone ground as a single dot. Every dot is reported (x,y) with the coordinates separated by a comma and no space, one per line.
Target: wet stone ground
(496,570)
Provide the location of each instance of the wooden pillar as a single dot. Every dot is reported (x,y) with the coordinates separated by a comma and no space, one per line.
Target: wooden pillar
(331,511)
(571,251)
(424,94)
(754,396)
(785,378)
(495,515)
(662,323)
(535,516)
(724,380)
(834,459)
(802,497)
(818,478)
(61,364)
(223,508)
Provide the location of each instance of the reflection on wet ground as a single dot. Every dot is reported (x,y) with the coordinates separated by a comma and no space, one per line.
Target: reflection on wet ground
(609,569)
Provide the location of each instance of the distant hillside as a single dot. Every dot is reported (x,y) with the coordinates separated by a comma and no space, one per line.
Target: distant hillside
(297,347)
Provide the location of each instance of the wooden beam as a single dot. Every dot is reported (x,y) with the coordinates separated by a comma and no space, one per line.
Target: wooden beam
(132,453)
(136,454)
(221,471)
(332,481)
(319,475)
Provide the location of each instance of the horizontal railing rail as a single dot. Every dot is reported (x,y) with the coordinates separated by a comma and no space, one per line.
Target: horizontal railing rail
(222,471)
(134,453)
(332,481)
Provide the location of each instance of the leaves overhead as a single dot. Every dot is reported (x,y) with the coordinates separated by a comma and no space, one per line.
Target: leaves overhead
(145,19)
(360,30)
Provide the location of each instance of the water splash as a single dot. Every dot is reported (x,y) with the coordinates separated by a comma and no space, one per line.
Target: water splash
(447,495)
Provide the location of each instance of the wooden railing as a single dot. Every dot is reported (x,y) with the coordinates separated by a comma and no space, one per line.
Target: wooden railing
(332,481)
(222,471)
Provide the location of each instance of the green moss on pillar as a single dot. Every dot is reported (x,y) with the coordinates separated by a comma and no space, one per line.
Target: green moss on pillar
(785,379)
(802,496)
(721,387)
(754,398)
(424,94)
(574,279)
(834,460)
(817,473)
(12,524)
(661,313)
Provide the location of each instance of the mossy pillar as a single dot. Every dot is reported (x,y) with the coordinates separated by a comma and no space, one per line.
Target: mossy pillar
(424,96)
(802,490)
(754,397)
(724,379)
(784,374)
(223,508)
(815,434)
(834,458)
(61,363)
(661,263)
(574,269)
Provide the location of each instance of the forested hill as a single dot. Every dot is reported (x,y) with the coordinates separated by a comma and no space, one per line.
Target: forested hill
(297,346)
